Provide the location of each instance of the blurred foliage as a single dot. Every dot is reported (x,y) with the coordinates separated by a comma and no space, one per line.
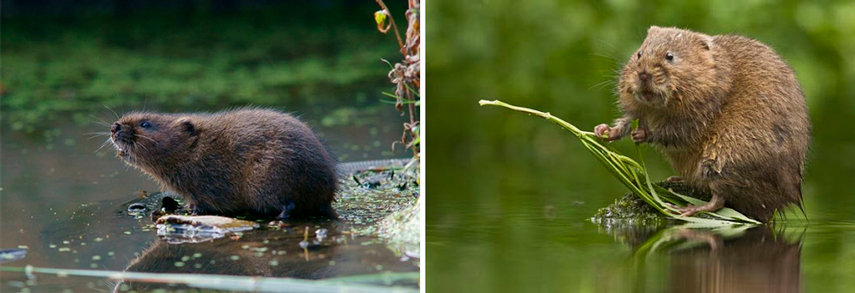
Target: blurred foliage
(510,195)
(295,54)
(406,75)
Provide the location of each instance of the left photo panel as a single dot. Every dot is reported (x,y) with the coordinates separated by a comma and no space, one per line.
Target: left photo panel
(211,146)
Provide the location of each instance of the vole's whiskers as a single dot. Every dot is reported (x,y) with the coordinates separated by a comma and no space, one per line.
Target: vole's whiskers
(100,121)
(106,142)
(611,58)
(136,144)
(111,110)
(96,134)
(602,84)
(146,137)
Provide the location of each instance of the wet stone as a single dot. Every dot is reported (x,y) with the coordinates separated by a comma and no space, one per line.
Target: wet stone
(136,208)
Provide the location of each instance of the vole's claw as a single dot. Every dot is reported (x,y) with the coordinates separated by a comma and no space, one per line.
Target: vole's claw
(688,214)
(684,211)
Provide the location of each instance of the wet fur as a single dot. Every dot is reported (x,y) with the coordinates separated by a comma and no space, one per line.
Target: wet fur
(244,161)
(728,113)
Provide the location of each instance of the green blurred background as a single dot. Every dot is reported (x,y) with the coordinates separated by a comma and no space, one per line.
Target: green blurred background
(511,195)
(67,62)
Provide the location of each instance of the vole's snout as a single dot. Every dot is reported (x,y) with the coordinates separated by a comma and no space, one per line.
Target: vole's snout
(644,77)
(121,133)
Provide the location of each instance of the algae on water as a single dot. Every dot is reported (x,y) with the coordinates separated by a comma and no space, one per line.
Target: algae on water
(386,200)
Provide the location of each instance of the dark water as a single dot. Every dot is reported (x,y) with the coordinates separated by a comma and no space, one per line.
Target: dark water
(511,196)
(65,73)
(60,201)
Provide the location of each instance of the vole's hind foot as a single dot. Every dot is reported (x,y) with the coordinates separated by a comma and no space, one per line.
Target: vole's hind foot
(286,211)
(715,203)
(675,179)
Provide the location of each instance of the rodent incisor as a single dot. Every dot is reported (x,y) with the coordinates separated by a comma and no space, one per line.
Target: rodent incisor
(726,110)
(246,161)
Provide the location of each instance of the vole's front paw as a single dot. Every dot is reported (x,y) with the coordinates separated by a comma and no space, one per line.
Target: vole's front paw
(639,135)
(604,131)
(286,211)
(194,210)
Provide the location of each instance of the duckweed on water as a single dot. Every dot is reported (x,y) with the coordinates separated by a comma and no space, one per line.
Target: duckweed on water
(402,230)
(371,195)
(386,200)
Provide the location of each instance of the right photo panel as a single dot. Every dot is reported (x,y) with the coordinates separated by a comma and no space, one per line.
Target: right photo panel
(640,146)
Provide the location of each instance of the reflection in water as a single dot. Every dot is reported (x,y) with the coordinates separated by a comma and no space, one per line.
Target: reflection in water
(727,259)
(270,252)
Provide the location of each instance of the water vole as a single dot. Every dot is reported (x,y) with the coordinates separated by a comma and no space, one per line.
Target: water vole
(726,110)
(246,161)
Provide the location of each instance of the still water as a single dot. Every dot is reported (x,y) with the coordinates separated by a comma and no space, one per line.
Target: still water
(526,226)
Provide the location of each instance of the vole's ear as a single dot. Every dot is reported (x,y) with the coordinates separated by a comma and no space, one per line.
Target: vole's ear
(188,126)
(706,42)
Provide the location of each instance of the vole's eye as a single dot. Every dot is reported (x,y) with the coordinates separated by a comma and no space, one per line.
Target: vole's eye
(145,124)
(669,56)
(639,54)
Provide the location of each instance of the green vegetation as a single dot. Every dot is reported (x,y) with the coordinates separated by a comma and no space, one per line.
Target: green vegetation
(56,66)
(635,177)
(406,75)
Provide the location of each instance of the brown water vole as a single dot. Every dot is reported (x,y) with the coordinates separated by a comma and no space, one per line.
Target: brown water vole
(726,110)
(246,161)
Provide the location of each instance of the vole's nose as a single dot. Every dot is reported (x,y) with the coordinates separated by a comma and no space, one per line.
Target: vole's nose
(644,76)
(116,127)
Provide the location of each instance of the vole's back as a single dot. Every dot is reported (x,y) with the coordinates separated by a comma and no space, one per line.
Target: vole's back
(259,161)
(756,149)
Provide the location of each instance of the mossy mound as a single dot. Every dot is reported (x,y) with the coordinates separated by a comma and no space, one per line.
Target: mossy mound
(632,210)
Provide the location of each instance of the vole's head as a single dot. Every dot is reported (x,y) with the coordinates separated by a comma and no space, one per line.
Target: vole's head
(148,138)
(671,66)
